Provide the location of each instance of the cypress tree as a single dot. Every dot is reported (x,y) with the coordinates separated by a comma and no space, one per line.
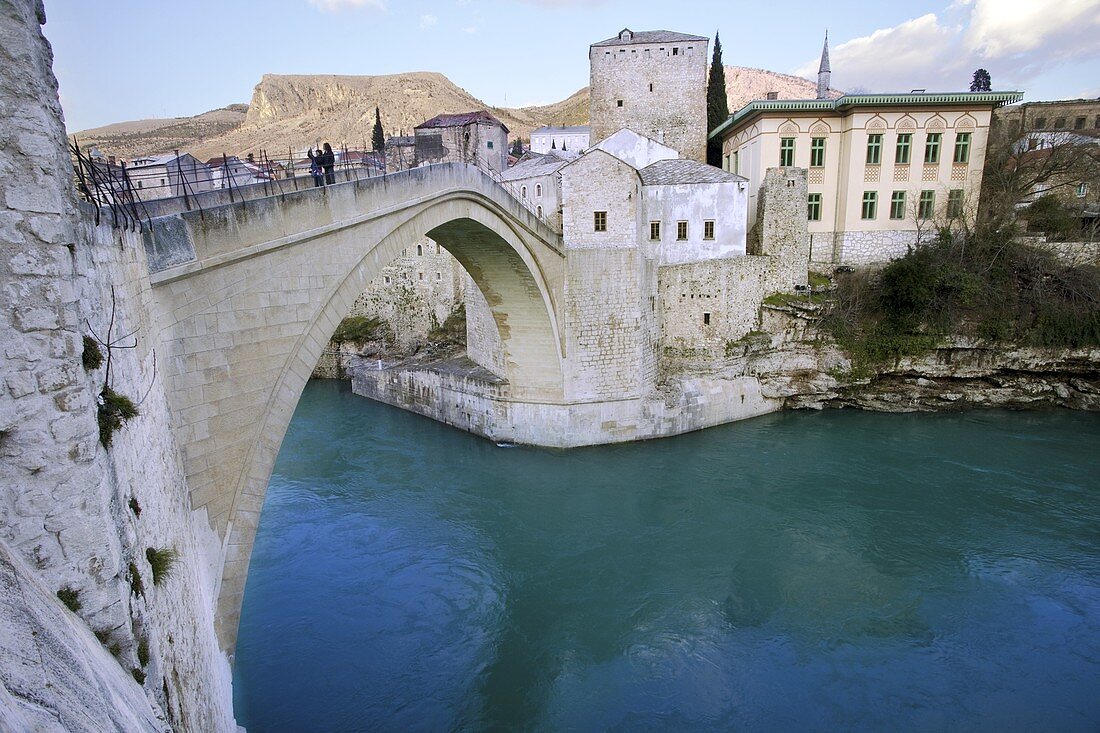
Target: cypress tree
(378,137)
(717,104)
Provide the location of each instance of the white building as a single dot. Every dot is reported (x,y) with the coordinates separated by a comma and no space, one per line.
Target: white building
(165,176)
(566,139)
(233,171)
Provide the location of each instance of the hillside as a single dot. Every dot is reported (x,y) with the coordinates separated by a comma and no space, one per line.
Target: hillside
(291,112)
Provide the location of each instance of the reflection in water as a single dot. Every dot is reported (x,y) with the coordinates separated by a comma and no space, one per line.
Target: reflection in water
(826,571)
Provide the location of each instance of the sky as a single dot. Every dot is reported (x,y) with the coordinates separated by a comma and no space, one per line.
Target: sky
(120,60)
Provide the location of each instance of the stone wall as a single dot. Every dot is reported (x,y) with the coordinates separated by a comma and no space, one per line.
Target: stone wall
(483,345)
(873,248)
(66,517)
(663,96)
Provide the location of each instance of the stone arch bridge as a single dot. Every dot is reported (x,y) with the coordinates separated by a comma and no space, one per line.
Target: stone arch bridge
(248,295)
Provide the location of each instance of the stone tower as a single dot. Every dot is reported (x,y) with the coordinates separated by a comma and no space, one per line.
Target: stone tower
(824,75)
(653,82)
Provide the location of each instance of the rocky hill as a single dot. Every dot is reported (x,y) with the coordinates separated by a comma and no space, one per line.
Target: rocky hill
(291,112)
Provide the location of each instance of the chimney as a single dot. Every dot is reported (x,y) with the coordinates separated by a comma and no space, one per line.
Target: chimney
(772,95)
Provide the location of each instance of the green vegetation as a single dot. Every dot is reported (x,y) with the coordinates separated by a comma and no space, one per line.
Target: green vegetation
(138,675)
(162,561)
(137,585)
(1054,218)
(104,635)
(143,652)
(92,357)
(759,337)
(717,102)
(817,280)
(114,411)
(70,597)
(780,300)
(358,329)
(986,285)
(452,330)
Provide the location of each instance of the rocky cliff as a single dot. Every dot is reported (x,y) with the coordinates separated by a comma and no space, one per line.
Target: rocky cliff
(94,636)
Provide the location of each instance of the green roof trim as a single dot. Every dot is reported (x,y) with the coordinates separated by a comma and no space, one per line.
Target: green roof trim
(849,101)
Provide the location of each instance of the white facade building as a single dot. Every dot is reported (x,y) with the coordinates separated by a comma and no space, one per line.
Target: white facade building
(573,139)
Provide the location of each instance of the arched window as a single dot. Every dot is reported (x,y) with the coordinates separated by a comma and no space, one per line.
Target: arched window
(523,191)
(419,250)
(538,210)
(538,190)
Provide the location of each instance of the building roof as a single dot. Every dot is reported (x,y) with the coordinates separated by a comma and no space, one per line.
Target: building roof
(534,164)
(679,170)
(847,102)
(648,37)
(144,160)
(461,120)
(563,129)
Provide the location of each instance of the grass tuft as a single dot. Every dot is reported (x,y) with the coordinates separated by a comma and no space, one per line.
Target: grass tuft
(162,561)
(114,410)
(92,356)
(70,597)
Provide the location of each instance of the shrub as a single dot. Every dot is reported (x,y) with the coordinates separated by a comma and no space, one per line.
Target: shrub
(114,410)
(135,507)
(138,675)
(452,330)
(143,652)
(92,357)
(358,329)
(70,597)
(162,561)
(137,586)
(104,635)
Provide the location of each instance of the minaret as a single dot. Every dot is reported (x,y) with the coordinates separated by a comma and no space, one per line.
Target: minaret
(823,73)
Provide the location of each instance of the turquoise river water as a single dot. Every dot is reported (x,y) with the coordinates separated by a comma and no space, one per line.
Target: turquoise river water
(834,571)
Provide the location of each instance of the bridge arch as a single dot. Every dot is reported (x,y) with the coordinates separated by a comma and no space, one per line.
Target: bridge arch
(246,317)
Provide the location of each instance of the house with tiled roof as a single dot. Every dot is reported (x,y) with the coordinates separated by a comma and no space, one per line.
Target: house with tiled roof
(468,137)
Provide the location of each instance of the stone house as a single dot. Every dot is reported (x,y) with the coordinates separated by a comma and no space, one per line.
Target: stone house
(469,137)
(536,182)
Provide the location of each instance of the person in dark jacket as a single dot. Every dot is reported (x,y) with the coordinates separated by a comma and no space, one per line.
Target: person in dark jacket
(328,162)
(315,166)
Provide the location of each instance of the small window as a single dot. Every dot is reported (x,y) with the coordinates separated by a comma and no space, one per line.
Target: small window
(706,319)
(654,231)
(599,221)
(932,147)
(786,151)
(954,203)
(538,190)
(490,144)
(813,207)
(523,191)
(736,162)
(421,275)
(651,86)
(897,205)
(874,149)
(901,152)
(1059,123)
(926,206)
(386,279)
(162,181)
(439,276)
(140,184)
(1079,123)
(1082,190)
(817,152)
(962,147)
(708,229)
(681,231)
(870,205)
(691,50)
(1040,123)
(675,51)
(538,210)
(618,103)
(419,250)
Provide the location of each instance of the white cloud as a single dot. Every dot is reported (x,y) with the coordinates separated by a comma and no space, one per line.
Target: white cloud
(333,6)
(428,20)
(470,29)
(1014,39)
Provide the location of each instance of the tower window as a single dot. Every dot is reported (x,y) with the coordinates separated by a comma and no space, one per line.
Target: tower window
(618,103)
(651,86)
(681,231)
(599,221)
(538,190)
(439,276)
(675,51)
(654,231)
(706,319)
(419,250)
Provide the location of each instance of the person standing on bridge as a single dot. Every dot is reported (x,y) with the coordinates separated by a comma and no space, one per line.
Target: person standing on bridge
(315,166)
(328,161)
